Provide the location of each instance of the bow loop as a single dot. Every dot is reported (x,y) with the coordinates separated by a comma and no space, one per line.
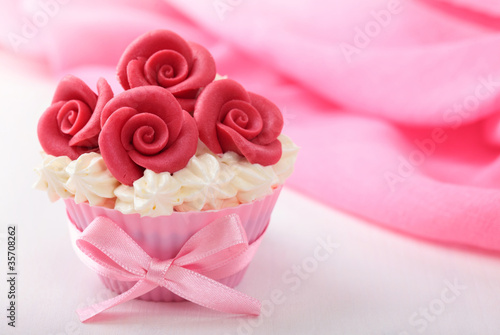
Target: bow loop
(96,242)
(213,244)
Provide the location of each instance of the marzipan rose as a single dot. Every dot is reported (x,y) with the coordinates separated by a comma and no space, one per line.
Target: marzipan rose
(71,125)
(231,119)
(146,128)
(163,58)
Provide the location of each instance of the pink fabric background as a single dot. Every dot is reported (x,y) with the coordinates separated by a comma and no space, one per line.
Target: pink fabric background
(404,130)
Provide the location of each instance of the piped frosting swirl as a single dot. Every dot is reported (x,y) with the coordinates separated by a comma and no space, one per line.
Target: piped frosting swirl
(209,181)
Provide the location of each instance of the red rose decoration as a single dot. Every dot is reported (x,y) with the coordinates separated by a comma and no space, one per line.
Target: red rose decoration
(71,125)
(231,119)
(163,58)
(146,128)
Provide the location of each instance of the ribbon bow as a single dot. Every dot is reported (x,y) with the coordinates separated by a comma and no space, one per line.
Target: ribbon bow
(216,251)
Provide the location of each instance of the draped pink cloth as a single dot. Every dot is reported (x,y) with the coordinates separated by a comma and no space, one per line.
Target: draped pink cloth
(394,103)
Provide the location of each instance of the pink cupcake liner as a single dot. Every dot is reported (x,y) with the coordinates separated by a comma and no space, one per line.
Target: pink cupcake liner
(162,237)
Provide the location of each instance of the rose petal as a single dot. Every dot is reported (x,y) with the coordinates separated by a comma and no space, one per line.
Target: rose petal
(268,154)
(135,73)
(202,72)
(177,155)
(146,133)
(148,44)
(208,107)
(117,159)
(89,134)
(176,64)
(187,104)
(53,141)
(73,88)
(272,119)
(149,99)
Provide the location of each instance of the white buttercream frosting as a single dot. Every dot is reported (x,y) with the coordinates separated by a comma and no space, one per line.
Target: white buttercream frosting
(90,180)
(206,183)
(209,181)
(284,167)
(125,199)
(156,194)
(252,181)
(52,176)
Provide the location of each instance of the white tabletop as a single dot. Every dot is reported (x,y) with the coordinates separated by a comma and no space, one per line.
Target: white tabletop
(318,271)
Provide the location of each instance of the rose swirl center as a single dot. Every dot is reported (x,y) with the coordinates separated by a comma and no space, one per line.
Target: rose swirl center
(242,117)
(145,133)
(73,116)
(166,68)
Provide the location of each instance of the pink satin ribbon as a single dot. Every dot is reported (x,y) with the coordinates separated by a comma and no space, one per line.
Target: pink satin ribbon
(216,251)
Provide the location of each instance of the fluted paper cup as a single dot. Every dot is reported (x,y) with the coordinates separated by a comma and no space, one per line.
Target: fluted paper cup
(162,237)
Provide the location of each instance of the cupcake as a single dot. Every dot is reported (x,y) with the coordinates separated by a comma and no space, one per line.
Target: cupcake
(169,185)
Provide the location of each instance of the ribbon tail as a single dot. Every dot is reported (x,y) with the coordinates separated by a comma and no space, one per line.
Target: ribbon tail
(209,293)
(140,288)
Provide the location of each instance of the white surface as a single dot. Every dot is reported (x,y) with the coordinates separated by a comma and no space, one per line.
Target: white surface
(373,282)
